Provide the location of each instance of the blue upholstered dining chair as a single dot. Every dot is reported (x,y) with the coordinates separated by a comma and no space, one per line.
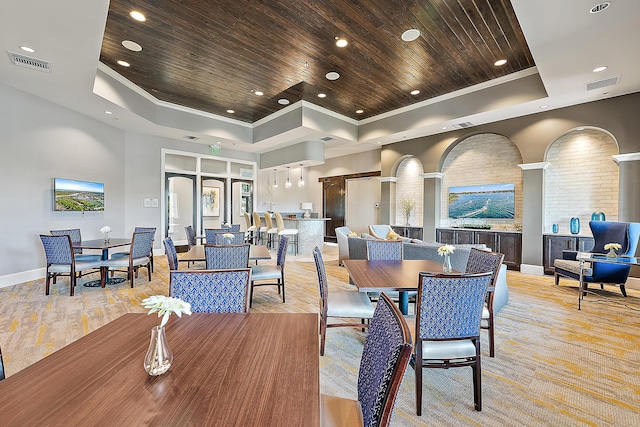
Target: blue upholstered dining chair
(449,338)
(604,232)
(384,250)
(139,256)
(61,261)
(139,230)
(341,304)
(191,236)
(170,251)
(234,228)
(219,291)
(210,234)
(386,353)
(1,366)
(76,237)
(260,273)
(480,261)
(223,257)
(237,239)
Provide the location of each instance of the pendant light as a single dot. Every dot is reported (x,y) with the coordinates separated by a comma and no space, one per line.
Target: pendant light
(301,181)
(275,181)
(288,183)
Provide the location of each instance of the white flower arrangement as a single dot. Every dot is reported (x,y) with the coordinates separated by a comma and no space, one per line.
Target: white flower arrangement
(105,230)
(446,250)
(614,246)
(165,306)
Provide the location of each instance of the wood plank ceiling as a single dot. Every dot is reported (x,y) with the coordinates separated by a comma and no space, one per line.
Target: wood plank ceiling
(213,55)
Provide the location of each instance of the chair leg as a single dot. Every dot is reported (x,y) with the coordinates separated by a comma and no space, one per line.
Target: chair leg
(282,284)
(556,278)
(72,283)
(149,270)
(323,335)
(492,351)
(477,379)
(251,294)
(418,371)
(47,284)
(623,290)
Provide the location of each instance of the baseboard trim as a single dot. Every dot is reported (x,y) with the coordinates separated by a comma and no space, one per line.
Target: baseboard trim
(22,277)
(535,270)
(633,283)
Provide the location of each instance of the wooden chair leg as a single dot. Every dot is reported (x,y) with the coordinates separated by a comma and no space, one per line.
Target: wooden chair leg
(492,352)
(251,294)
(72,283)
(556,277)
(477,379)
(282,284)
(47,284)
(418,370)
(623,290)
(323,334)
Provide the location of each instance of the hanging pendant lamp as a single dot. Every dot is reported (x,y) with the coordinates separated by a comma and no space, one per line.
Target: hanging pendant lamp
(301,181)
(288,183)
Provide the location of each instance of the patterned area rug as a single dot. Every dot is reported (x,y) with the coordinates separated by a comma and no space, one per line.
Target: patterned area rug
(554,365)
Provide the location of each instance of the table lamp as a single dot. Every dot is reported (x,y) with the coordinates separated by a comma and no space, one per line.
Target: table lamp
(306,207)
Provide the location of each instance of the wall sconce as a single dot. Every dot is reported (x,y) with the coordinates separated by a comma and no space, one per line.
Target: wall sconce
(275,181)
(301,181)
(287,184)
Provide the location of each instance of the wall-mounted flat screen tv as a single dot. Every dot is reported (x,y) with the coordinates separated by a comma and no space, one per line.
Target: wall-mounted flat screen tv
(74,195)
(495,201)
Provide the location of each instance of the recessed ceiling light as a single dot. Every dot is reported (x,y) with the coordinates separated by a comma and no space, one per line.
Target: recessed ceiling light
(27,49)
(218,142)
(379,142)
(544,106)
(283,101)
(340,42)
(332,75)
(600,7)
(124,63)
(444,127)
(138,16)
(131,45)
(107,112)
(410,35)
(322,95)
(500,62)
(415,92)
(598,69)
(359,111)
(259,93)
(230,111)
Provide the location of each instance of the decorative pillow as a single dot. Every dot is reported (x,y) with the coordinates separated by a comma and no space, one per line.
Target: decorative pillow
(352,234)
(392,235)
(416,241)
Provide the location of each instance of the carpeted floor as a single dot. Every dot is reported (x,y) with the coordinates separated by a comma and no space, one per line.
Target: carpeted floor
(554,365)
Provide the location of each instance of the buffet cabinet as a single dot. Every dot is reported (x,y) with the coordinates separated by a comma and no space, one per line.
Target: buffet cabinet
(554,244)
(408,231)
(508,243)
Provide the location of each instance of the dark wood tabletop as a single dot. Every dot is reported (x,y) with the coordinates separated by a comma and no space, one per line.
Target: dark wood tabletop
(102,244)
(381,276)
(249,369)
(196,253)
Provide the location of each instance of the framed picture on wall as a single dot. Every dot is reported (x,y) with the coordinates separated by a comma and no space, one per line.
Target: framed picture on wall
(210,201)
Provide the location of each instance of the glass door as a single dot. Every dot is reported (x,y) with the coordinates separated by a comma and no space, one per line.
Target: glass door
(180,198)
(241,201)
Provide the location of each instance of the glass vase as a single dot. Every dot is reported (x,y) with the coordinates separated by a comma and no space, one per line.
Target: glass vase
(574,225)
(446,264)
(612,253)
(159,357)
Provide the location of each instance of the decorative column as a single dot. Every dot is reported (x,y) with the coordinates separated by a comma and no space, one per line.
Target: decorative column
(532,217)
(629,177)
(388,199)
(431,209)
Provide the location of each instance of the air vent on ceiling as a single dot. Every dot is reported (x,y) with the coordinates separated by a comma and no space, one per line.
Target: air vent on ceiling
(28,62)
(600,7)
(602,83)
(463,125)
(191,138)
(327,138)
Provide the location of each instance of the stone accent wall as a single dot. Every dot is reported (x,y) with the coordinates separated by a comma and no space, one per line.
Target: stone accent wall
(582,178)
(483,159)
(410,185)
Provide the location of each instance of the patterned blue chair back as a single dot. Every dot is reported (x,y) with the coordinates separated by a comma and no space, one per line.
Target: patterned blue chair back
(220,239)
(384,250)
(145,230)
(75,235)
(450,305)
(234,228)
(222,291)
(482,261)
(282,251)
(57,249)
(225,257)
(384,360)
(1,367)
(172,256)
(210,234)
(141,244)
(322,280)
(191,236)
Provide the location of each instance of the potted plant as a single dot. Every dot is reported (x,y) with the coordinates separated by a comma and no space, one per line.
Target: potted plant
(407,204)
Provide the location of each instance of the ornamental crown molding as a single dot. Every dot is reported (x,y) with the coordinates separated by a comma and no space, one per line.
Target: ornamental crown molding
(388,179)
(628,157)
(437,175)
(534,166)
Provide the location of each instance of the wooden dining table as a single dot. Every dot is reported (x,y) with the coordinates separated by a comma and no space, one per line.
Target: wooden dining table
(246,369)
(383,276)
(103,245)
(196,254)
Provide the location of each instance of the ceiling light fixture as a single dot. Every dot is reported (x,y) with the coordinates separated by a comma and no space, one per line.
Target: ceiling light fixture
(322,95)
(275,181)
(359,111)
(598,69)
(500,62)
(107,112)
(283,101)
(301,181)
(415,92)
(138,16)
(340,42)
(444,128)
(131,45)
(27,49)
(124,63)
(600,7)
(231,111)
(544,106)
(287,183)
(259,93)
(332,75)
(410,35)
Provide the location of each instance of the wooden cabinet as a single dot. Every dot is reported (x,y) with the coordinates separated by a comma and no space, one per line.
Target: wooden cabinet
(508,243)
(554,244)
(408,231)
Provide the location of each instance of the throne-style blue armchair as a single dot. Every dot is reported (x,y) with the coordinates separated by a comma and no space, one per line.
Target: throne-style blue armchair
(604,232)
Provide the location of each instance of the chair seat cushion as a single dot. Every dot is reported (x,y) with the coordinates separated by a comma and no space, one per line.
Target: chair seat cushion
(349,304)
(265,272)
(120,255)
(339,411)
(288,231)
(84,258)
(485,311)
(567,265)
(123,262)
(440,350)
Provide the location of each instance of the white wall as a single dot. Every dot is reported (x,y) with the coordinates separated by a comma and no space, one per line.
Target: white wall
(362,195)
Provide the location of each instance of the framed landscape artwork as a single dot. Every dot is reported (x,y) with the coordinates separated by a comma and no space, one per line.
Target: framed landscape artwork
(210,201)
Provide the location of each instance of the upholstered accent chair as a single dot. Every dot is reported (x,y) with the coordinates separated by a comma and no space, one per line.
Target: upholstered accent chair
(224,257)
(604,232)
(139,256)
(210,234)
(76,237)
(343,304)
(291,232)
(237,239)
(449,338)
(172,255)
(386,353)
(342,236)
(61,261)
(220,291)
(479,262)
(260,273)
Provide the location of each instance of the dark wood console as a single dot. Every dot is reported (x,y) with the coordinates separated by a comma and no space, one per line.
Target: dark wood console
(554,244)
(508,243)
